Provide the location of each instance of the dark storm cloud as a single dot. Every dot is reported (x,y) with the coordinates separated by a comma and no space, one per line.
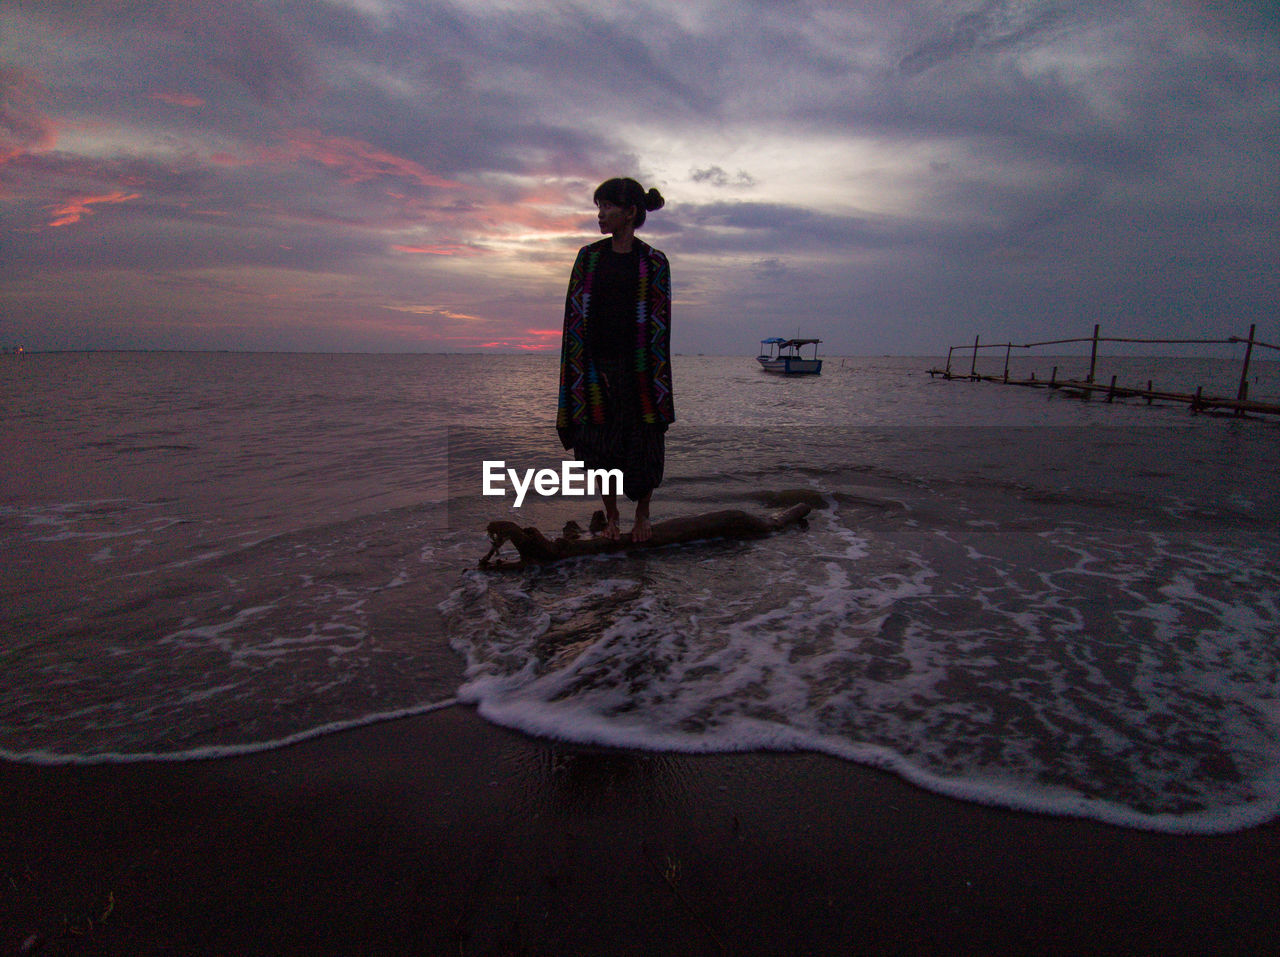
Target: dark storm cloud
(256,47)
(760,227)
(992,26)
(516,91)
(718,177)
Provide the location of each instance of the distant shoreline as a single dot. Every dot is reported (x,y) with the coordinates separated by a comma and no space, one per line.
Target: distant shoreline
(554,353)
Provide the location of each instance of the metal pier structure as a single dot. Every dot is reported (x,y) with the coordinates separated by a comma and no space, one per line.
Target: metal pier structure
(1197,401)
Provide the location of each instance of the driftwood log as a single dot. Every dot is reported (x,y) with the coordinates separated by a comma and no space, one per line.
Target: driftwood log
(535,548)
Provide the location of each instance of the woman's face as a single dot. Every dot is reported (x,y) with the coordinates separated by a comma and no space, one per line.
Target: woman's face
(613,217)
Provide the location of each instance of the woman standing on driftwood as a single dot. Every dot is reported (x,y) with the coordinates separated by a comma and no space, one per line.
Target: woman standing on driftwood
(615,357)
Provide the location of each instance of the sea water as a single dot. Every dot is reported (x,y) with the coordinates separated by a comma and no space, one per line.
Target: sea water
(1009,595)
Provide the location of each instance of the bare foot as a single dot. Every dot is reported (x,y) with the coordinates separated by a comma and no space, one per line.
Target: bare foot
(611,527)
(642,530)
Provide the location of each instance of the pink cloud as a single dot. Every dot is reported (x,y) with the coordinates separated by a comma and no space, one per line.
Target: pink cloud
(438,249)
(515,344)
(77,207)
(534,340)
(358,161)
(179,99)
(529,219)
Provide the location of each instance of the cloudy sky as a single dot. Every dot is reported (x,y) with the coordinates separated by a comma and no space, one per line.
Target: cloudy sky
(894,176)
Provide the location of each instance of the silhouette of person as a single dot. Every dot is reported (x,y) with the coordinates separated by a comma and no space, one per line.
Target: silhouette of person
(615,356)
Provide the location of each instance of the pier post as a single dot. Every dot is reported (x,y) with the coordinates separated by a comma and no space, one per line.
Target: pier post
(1111,393)
(1007,350)
(947,373)
(1093,357)
(1243,392)
(973,369)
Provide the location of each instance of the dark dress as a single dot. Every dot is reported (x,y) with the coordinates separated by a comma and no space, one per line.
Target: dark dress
(624,441)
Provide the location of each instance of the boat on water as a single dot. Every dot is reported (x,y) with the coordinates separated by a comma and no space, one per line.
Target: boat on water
(783,356)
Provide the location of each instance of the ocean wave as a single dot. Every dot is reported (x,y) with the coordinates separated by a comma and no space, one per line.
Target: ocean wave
(1066,667)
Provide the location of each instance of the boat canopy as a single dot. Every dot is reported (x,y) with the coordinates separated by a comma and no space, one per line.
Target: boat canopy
(788,343)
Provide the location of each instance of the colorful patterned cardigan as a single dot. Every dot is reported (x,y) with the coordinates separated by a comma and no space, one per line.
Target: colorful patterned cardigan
(581,397)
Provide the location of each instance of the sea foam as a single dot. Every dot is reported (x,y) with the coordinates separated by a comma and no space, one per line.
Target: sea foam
(1064,666)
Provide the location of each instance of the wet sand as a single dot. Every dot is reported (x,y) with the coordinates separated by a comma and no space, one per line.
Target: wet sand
(443,834)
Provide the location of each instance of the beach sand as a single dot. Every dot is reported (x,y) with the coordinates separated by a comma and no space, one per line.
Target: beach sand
(443,834)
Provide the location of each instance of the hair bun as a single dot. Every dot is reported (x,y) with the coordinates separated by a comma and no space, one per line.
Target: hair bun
(653,200)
